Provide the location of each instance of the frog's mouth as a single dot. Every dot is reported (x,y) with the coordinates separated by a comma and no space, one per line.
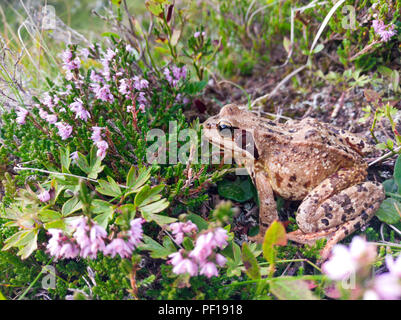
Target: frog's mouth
(239,142)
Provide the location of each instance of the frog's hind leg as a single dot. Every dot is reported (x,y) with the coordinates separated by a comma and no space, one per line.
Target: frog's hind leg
(334,209)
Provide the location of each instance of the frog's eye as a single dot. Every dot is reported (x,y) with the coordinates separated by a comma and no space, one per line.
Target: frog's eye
(225,129)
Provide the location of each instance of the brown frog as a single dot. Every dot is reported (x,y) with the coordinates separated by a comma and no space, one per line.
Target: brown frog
(301,160)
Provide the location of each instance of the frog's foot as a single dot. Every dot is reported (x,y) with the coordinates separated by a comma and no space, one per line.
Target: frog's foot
(309,238)
(258,238)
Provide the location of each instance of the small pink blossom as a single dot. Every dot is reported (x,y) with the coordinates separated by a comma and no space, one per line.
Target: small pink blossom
(209,270)
(21,115)
(89,238)
(135,233)
(97,134)
(44,196)
(102,147)
(69,250)
(102,92)
(51,118)
(74,156)
(84,53)
(386,32)
(64,130)
(220,260)
(346,261)
(387,286)
(186,266)
(179,229)
(118,246)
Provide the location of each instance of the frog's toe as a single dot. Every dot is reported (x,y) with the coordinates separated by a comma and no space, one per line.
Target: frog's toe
(258,238)
(310,238)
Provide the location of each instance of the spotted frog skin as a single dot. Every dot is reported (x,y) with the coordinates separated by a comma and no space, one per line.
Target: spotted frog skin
(301,160)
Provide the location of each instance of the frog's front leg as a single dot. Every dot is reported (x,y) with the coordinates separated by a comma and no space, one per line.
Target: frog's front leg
(336,208)
(267,204)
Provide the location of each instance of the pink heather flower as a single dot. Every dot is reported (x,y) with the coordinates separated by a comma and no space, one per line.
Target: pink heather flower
(69,250)
(74,156)
(179,73)
(44,196)
(209,270)
(59,246)
(64,130)
(220,260)
(66,56)
(394,266)
(51,118)
(118,246)
(386,32)
(83,114)
(21,115)
(387,286)
(53,245)
(135,234)
(346,261)
(179,229)
(176,258)
(79,110)
(84,53)
(124,87)
(110,54)
(197,34)
(102,147)
(43,114)
(186,266)
(97,134)
(220,238)
(140,84)
(48,101)
(102,92)
(89,239)
(166,73)
(94,77)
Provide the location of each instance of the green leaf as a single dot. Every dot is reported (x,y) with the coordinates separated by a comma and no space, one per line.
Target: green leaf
(104,211)
(158,218)
(70,206)
(157,251)
(83,163)
(109,188)
(65,159)
(237,190)
(275,235)
(388,212)
(30,245)
(250,262)
(290,289)
(2,297)
(155,8)
(397,173)
(318,48)
(57,224)
(390,186)
(193,88)
(135,183)
(155,207)
(47,215)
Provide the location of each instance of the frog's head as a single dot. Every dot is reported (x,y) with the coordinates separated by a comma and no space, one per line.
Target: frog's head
(232,130)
